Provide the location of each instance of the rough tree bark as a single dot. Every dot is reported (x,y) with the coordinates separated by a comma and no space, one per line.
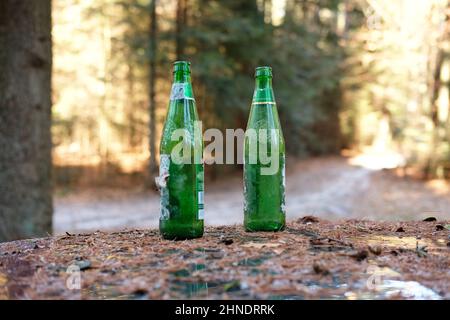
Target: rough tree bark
(25,119)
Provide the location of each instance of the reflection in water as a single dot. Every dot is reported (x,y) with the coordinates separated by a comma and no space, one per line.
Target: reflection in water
(388,289)
(110,292)
(190,289)
(185,286)
(407,289)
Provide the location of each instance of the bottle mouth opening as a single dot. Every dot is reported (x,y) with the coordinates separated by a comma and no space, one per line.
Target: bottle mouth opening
(263,71)
(182,66)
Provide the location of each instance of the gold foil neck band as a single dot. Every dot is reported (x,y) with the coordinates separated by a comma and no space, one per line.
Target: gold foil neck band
(267,102)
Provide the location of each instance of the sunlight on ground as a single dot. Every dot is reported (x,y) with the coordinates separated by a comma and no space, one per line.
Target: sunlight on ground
(440,187)
(376,160)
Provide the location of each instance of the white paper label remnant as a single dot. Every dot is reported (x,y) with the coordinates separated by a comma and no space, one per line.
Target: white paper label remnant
(201,214)
(180,91)
(177,91)
(161,181)
(201,205)
(200,198)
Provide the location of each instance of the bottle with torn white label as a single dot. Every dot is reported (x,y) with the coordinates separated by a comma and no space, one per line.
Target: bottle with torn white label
(181,177)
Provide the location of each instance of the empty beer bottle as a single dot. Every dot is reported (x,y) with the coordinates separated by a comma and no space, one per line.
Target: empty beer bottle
(181,176)
(264,160)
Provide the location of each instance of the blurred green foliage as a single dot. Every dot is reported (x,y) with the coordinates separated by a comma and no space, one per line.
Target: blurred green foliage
(227,40)
(342,71)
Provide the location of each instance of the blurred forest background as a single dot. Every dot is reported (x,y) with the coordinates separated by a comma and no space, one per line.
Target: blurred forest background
(344,71)
(349,76)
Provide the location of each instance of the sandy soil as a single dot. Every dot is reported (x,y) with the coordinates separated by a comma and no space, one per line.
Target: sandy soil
(329,187)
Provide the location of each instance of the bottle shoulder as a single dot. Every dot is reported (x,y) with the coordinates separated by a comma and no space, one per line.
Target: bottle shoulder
(263,116)
(181,122)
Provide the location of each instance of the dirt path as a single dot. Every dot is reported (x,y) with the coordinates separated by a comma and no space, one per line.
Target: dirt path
(328,187)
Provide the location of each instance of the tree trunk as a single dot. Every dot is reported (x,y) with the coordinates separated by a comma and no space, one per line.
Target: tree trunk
(267,7)
(432,165)
(181,21)
(25,119)
(152,79)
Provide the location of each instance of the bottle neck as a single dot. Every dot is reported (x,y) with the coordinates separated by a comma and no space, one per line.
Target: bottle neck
(181,77)
(263,82)
(181,87)
(263,89)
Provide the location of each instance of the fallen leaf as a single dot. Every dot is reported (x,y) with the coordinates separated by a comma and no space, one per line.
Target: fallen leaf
(83,264)
(359,255)
(394,252)
(227,241)
(320,268)
(308,219)
(278,251)
(376,250)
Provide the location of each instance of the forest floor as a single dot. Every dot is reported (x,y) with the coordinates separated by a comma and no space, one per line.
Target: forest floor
(329,187)
(311,259)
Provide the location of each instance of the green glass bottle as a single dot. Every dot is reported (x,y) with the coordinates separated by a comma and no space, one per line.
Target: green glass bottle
(181,174)
(264,160)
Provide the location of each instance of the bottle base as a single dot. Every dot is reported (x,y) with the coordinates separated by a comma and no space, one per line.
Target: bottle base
(173,230)
(266,226)
(180,237)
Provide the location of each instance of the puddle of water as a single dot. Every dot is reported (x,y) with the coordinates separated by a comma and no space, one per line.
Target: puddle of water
(110,292)
(408,289)
(209,253)
(183,285)
(186,272)
(198,289)
(253,262)
(388,289)
(188,289)
(169,252)
(181,273)
(383,283)
(286,297)
(191,289)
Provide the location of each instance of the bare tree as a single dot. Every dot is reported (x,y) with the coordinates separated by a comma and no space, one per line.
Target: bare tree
(25,119)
